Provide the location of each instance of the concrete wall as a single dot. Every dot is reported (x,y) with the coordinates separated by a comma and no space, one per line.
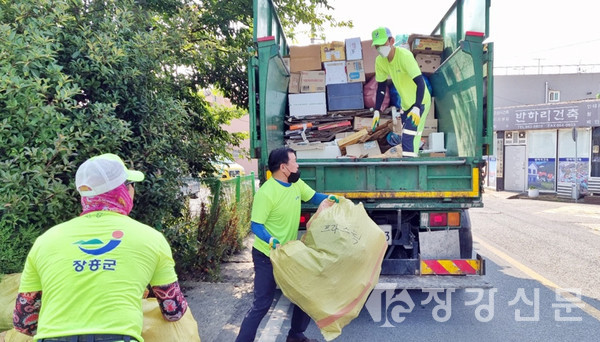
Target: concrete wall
(517,90)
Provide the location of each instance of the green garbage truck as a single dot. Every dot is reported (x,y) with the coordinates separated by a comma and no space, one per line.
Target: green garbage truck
(420,203)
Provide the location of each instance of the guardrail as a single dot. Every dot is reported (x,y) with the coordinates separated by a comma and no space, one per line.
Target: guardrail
(214,224)
(226,189)
(213,189)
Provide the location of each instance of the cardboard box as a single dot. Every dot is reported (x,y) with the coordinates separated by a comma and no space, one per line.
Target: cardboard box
(294,87)
(394,152)
(426,44)
(334,51)
(345,96)
(437,154)
(335,72)
(312,81)
(355,71)
(369,54)
(366,122)
(304,146)
(286,62)
(353,49)
(316,150)
(301,105)
(431,123)
(428,63)
(367,149)
(343,135)
(305,58)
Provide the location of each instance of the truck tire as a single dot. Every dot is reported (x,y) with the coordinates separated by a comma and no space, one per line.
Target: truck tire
(465,236)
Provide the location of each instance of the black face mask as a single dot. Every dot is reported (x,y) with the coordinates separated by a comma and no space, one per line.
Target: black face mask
(294,176)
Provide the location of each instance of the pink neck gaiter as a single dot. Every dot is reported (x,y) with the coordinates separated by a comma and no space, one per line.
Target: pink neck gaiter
(117,200)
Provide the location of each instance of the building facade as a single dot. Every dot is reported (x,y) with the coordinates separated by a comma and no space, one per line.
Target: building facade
(241,125)
(547,133)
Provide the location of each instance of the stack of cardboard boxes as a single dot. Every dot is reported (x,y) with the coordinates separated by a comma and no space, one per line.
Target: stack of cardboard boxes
(428,53)
(328,76)
(327,115)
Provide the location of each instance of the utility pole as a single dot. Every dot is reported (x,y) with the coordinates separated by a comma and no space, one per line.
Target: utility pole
(539,65)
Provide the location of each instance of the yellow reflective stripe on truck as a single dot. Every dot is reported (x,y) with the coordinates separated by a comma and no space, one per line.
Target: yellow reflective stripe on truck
(474,192)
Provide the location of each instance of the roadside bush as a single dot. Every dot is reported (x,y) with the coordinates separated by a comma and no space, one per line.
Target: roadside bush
(201,239)
(81,78)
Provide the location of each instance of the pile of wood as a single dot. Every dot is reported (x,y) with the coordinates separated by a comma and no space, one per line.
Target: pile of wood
(350,131)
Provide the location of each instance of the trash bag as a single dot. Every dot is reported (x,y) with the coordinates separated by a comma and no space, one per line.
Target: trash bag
(9,288)
(156,329)
(370,95)
(331,272)
(15,336)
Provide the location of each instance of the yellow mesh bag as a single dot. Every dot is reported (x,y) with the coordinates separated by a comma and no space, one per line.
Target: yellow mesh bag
(330,274)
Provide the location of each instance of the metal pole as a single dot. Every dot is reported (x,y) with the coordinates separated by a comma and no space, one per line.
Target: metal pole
(574,136)
(576,168)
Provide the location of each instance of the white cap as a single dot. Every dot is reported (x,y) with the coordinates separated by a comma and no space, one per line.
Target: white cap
(102,174)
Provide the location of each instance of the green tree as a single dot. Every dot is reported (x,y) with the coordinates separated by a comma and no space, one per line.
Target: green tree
(221,34)
(83,77)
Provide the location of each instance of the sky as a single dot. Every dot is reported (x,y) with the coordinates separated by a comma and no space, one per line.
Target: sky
(524,32)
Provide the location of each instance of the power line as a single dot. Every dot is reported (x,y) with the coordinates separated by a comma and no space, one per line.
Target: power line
(568,45)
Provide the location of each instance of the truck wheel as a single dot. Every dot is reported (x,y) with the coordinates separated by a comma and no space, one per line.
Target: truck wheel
(465,236)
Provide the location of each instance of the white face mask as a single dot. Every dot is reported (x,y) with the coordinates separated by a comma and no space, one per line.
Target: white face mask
(384,51)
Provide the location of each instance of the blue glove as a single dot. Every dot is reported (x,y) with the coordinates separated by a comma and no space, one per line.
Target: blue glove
(273,243)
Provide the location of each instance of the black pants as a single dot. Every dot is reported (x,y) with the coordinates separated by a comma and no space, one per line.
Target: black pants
(264,292)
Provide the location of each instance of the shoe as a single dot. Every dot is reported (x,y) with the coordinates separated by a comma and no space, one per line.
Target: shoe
(300,339)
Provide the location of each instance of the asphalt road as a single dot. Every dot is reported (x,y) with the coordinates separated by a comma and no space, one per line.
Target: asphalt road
(541,261)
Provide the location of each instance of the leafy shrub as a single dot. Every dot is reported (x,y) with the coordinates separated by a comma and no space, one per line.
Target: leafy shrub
(202,239)
(81,78)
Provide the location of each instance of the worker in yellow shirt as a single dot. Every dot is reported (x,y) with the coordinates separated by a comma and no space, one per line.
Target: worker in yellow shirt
(84,279)
(400,65)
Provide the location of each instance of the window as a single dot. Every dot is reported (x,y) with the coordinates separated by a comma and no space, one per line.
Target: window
(595,171)
(554,96)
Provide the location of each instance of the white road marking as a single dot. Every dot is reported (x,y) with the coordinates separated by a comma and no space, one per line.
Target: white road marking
(589,309)
(278,315)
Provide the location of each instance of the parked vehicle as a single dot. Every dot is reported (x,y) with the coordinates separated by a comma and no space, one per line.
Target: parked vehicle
(420,203)
(229,169)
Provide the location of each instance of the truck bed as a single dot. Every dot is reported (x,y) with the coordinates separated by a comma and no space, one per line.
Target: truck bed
(449,182)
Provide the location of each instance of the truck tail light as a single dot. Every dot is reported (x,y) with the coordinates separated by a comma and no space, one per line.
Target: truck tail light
(454,219)
(304,217)
(438,219)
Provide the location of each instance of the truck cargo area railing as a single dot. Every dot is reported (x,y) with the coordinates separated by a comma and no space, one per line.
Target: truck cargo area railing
(465,27)
(266,23)
(381,162)
(459,19)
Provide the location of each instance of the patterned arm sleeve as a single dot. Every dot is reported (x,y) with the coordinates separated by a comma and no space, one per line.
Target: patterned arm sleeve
(171,301)
(26,313)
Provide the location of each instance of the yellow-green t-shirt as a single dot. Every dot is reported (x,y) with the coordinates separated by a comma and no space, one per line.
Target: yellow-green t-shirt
(402,69)
(92,271)
(277,207)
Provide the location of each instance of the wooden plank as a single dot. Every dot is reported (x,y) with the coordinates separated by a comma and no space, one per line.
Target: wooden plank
(352,139)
